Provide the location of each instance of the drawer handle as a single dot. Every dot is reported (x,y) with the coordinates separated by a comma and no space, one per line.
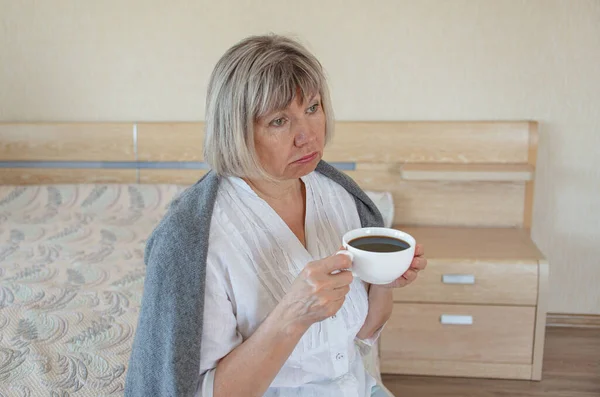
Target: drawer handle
(458,279)
(453,319)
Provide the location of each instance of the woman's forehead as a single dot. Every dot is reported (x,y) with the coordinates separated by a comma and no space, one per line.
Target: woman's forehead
(298,100)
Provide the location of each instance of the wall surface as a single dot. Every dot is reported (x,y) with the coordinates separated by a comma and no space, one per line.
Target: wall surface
(149,60)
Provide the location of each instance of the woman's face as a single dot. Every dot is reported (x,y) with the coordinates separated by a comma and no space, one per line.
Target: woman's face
(289,143)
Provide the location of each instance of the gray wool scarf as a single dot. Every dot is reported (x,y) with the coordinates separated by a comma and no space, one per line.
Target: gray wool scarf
(165,357)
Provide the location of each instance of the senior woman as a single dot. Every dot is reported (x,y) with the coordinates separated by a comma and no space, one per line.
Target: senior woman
(244,295)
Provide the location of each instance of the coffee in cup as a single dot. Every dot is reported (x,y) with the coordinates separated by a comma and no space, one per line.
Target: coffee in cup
(379,255)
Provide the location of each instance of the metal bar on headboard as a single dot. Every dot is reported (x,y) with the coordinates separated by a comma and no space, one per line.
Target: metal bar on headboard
(135,151)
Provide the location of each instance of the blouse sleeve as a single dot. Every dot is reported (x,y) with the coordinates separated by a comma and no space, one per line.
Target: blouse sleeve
(219,330)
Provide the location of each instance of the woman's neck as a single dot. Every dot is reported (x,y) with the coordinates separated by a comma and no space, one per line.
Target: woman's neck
(276,191)
(288,199)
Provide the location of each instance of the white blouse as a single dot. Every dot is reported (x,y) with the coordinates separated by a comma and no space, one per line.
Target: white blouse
(253,259)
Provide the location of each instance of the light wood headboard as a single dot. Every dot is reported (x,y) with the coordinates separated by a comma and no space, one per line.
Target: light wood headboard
(472,173)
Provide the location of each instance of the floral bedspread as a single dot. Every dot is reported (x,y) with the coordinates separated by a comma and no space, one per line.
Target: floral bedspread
(71,281)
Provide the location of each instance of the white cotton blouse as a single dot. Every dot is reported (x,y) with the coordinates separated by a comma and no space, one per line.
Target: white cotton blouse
(253,258)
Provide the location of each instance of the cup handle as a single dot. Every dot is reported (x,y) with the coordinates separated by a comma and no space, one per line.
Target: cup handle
(349,255)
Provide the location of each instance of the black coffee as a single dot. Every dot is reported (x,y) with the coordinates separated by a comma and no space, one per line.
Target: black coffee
(379,244)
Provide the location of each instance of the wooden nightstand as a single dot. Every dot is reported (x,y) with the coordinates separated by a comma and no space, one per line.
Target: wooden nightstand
(478,310)
(466,189)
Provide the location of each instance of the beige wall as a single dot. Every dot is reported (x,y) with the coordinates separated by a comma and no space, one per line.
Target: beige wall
(394,60)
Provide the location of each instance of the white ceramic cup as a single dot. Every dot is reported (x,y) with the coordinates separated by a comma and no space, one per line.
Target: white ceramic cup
(378,267)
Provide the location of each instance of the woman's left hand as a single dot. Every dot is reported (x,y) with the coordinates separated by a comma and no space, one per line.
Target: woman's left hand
(419,263)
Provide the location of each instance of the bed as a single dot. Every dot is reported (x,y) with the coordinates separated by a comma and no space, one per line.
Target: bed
(72,281)
(78,200)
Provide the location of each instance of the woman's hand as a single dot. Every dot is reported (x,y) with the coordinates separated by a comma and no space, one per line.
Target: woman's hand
(316,294)
(418,263)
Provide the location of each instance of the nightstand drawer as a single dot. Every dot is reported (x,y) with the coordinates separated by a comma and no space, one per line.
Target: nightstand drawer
(458,333)
(473,282)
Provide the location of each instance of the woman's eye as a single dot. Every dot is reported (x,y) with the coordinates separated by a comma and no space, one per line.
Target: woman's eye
(278,122)
(313,108)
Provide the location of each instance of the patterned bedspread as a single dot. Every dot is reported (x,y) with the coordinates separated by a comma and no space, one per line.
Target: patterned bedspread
(71,281)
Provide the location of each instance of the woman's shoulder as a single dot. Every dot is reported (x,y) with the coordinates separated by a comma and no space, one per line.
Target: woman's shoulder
(194,202)
(230,203)
(188,215)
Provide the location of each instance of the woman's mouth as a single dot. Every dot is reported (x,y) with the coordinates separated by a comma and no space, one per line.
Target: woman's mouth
(307,158)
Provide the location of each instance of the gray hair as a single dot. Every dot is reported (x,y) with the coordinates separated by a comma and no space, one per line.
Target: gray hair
(258,75)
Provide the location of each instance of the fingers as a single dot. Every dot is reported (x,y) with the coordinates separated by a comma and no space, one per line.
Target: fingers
(418,263)
(400,282)
(336,262)
(342,279)
(341,292)
(332,301)
(419,250)
(410,275)
(330,273)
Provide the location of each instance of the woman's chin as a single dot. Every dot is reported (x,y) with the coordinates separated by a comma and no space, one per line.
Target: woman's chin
(295,170)
(302,169)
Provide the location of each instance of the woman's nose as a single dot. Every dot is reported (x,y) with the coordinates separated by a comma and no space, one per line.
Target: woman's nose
(304,134)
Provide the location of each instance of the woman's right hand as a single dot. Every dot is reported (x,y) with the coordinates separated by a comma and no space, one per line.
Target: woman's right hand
(317,294)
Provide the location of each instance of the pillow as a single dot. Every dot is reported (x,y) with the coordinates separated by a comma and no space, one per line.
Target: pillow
(385,204)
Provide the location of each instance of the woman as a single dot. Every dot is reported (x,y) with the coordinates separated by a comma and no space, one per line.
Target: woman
(243,293)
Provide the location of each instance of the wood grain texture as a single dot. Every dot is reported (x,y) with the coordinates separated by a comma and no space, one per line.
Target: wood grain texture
(505,265)
(499,334)
(66,142)
(540,320)
(573,320)
(178,177)
(467,172)
(39,176)
(170,141)
(571,369)
(424,142)
(530,186)
(448,203)
(508,283)
(392,142)
(472,243)
(456,369)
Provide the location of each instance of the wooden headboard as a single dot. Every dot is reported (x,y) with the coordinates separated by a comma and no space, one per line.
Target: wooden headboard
(440,173)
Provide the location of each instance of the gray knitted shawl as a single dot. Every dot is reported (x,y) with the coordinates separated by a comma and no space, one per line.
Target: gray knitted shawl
(165,357)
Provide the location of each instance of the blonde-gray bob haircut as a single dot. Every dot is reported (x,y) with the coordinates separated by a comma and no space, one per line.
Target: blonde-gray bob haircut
(258,75)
